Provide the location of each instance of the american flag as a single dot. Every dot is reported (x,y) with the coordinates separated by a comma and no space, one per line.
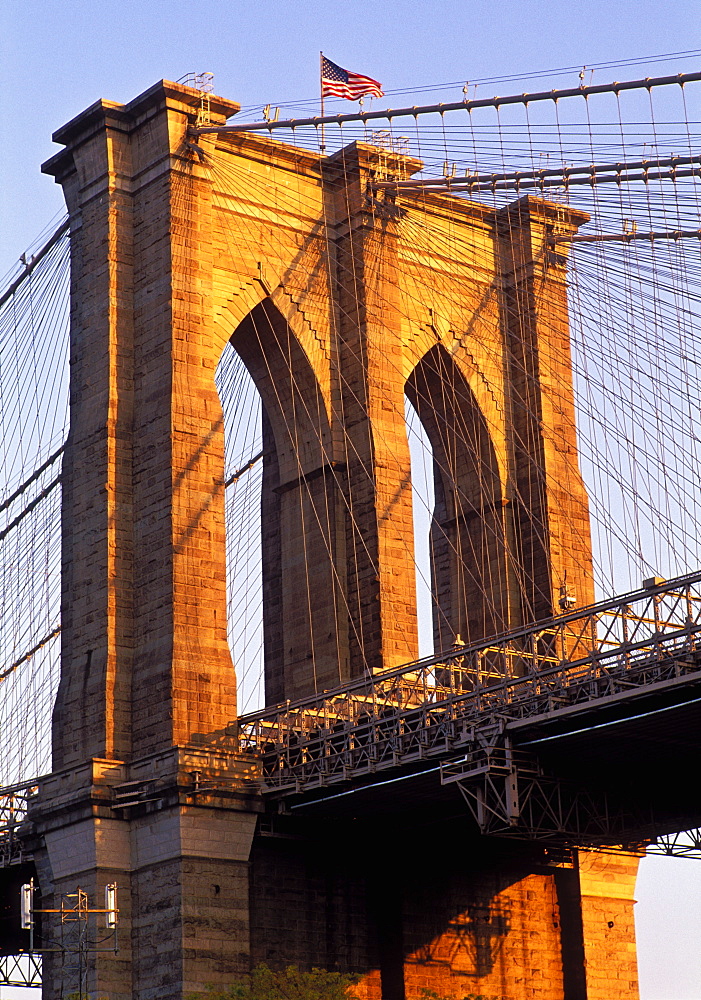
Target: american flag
(338,82)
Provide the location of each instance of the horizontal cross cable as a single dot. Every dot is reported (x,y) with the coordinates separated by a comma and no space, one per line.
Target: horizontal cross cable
(592,180)
(666,234)
(31,264)
(28,655)
(244,468)
(30,507)
(28,482)
(542,173)
(492,102)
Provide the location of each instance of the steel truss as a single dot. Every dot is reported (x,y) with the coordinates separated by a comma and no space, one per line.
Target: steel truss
(685,844)
(463,703)
(14,804)
(509,794)
(20,970)
(441,706)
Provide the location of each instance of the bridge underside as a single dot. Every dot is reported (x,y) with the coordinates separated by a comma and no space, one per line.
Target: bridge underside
(619,768)
(422,900)
(443,904)
(645,747)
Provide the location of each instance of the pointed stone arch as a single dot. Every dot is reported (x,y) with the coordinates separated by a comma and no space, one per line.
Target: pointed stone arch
(472,589)
(165,266)
(302,512)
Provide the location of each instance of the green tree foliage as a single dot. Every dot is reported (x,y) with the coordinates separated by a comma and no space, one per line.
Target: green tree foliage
(290,984)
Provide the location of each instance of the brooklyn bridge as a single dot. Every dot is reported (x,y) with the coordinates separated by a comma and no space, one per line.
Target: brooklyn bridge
(350,558)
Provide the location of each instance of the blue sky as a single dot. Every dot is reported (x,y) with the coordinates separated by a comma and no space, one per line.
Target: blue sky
(58,56)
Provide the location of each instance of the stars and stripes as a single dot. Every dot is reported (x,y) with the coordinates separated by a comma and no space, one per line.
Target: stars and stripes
(338,82)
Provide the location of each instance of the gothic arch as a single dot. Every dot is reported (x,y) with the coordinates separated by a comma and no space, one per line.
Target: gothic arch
(469,530)
(303,625)
(289,387)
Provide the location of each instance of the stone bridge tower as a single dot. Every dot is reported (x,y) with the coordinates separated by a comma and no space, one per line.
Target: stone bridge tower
(177,249)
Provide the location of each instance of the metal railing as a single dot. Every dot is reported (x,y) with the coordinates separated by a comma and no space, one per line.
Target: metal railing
(14,804)
(432,707)
(20,970)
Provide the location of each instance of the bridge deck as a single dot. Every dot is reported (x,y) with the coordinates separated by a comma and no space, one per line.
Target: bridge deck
(577,692)
(576,671)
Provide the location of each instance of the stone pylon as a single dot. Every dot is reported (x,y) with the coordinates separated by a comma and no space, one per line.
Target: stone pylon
(339,310)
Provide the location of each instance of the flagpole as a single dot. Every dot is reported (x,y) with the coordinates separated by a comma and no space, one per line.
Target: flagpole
(321,85)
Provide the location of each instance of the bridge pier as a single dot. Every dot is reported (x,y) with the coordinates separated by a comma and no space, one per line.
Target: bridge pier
(607,895)
(472,916)
(180,861)
(146,668)
(170,262)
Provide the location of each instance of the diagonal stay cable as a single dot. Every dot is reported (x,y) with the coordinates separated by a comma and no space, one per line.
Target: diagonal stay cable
(28,482)
(31,264)
(30,653)
(30,507)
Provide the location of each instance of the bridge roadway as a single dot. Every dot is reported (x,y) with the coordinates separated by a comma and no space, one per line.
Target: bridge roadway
(599,707)
(580,729)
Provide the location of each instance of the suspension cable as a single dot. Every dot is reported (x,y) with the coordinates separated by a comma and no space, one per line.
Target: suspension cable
(492,102)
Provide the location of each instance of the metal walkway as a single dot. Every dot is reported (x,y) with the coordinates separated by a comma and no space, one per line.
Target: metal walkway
(608,653)
(462,716)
